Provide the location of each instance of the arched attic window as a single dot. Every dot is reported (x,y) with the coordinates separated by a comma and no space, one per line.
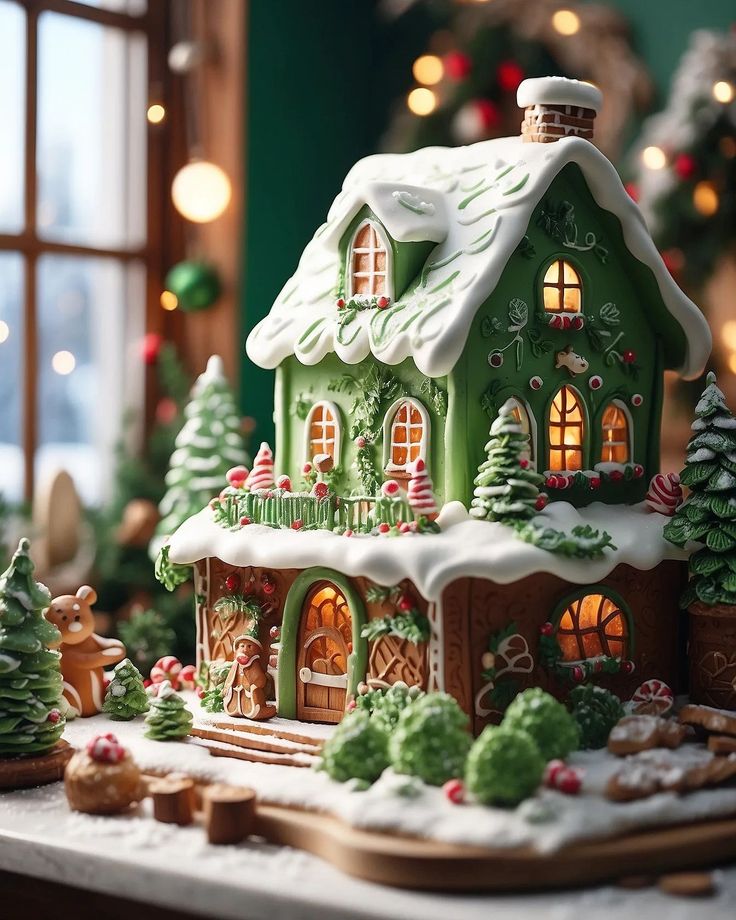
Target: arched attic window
(562,289)
(615,434)
(369,262)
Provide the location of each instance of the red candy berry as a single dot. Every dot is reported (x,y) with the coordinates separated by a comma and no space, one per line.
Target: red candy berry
(405,602)
(594,482)
(578,675)
(546,629)
(383,528)
(348,533)
(454,790)
(551,482)
(382,303)
(552,771)
(320,489)
(54,716)
(566,322)
(297,525)
(283,482)
(232,582)
(200,693)
(523,463)
(340,303)
(615,475)
(307,468)
(541,503)
(628,357)
(577,323)
(244,521)
(274,632)
(360,442)
(568,781)
(638,470)
(268,586)
(627,667)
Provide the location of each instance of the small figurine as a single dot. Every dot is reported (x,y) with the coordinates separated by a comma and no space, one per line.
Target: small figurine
(244,693)
(575,363)
(84,654)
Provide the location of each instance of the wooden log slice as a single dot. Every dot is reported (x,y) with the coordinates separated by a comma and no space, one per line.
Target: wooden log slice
(26,771)
(174,799)
(229,813)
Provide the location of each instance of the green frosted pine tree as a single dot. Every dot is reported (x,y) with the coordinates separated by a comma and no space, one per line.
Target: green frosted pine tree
(209,444)
(31,720)
(168,718)
(126,696)
(708,515)
(507,485)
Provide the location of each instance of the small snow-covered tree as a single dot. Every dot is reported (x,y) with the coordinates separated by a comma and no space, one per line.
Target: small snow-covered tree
(709,514)
(261,476)
(209,444)
(507,486)
(419,493)
(126,696)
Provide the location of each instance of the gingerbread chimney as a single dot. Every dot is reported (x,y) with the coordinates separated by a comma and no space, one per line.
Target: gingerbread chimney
(555,107)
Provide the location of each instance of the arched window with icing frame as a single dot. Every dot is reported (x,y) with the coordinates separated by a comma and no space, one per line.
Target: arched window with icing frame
(405,435)
(616,446)
(562,288)
(594,624)
(566,431)
(523,415)
(322,431)
(369,262)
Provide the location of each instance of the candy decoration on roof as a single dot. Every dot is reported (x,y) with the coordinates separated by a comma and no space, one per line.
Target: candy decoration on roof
(507,486)
(261,476)
(209,444)
(30,675)
(421,497)
(665,493)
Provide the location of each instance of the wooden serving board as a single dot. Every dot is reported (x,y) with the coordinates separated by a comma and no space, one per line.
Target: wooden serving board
(408,862)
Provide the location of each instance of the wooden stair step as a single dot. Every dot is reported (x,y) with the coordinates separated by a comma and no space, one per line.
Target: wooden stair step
(255,728)
(255,742)
(220,749)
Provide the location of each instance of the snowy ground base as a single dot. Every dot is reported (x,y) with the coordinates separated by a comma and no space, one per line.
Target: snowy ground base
(546,822)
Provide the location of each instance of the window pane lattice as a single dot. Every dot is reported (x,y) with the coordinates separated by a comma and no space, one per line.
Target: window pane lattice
(407,433)
(615,427)
(562,288)
(566,431)
(592,626)
(368,263)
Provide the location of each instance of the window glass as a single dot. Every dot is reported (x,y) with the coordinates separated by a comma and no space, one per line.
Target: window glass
(11,376)
(520,414)
(90,313)
(91,133)
(407,436)
(593,626)
(615,426)
(323,432)
(562,288)
(566,430)
(12,115)
(369,263)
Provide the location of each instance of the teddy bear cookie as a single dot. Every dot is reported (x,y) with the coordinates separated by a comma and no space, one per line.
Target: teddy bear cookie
(84,654)
(103,779)
(244,693)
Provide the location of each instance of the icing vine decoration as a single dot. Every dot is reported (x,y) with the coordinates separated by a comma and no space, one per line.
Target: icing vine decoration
(518,316)
(507,655)
(558,222)
(407,622)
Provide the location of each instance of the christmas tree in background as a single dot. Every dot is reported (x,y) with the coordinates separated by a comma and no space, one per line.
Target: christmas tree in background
(126,696)
(507,486)
(210,442)
(419,493)
(168,718)
(685,178)
(709,514)
(30,677)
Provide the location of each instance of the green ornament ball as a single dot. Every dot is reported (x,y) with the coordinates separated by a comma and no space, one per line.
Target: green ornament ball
(596,710)
(356,750)
(196,285)
(504,766)
(431,739)
(546,721)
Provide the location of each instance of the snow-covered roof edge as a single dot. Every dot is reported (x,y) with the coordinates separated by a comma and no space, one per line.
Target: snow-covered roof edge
(431,322)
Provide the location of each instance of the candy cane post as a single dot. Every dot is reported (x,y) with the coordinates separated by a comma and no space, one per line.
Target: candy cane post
(167,668)
(261,476)
(665,493)
(421,498)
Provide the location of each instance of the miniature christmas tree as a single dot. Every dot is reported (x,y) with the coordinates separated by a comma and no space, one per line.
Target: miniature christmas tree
(546,721)
(261,476)
(709,514)
(596,710)
(356,750)
(431,739)
(507,486)
(504,766)
(421,498)
(208,445)
(30,677)
(126,696)
(168,718)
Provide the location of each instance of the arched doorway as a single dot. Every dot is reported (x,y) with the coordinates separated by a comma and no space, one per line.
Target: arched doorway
(323,656)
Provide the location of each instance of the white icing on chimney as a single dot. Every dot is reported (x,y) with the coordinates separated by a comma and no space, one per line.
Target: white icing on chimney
(556,107)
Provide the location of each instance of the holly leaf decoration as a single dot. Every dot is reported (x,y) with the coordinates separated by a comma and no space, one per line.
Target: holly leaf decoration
(518,314)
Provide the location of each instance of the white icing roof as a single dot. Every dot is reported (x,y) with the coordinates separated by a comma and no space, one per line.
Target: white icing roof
(475,203)
(465,547)
(558,91)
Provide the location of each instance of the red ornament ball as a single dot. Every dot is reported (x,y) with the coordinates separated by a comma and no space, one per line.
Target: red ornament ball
(454,790)
(340,303)
(568,781)
(685,165)
(307,468)
(638,470)
(487,113)
(382,303)
(546,629)
(151,346)
(578,675)
(53,716)
(577,323)
(320,489)
(244,521)
(383,528)
(628,357)
(297,525)
(509,75)
(594,482)
(405,602)
(232,582)
(457,65)
(627,666)
(541,503)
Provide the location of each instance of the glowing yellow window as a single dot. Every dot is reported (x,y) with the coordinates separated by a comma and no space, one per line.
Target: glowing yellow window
(566,430)
(592,626)
(616,443)
(323,431)
(562,288)
(368,263)
(408,436)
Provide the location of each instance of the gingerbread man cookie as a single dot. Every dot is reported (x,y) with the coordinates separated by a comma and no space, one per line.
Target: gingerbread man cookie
(244,691)
(84,654)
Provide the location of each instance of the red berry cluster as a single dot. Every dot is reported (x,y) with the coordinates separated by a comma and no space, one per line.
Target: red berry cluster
(562,321)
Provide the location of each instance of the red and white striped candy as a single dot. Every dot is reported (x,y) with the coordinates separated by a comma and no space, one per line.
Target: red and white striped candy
(261,476)
(420,495)
(665,493)
(167,668)
(390,488)
(105,749)
(557,775)
(187,677)
(653,697)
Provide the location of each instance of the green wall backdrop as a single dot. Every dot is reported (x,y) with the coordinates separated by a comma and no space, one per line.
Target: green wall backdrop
(322,76)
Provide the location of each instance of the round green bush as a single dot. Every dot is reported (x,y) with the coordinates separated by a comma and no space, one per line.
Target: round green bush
(431,739)
(504,766)
(596,711)
(385,706)
(356,750)
(546,721)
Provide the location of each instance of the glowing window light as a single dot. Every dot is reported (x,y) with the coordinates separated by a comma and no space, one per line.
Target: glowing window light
(592,626)
(562,288)
(428,69)
(156,113)
(566,431)
(566,22)
(615,425)
(4,331)
(421,101)
(705,198)
(732,363)
(63,362)
(169,300)
(728,334)
(723,91)
(653,158)
(201,191)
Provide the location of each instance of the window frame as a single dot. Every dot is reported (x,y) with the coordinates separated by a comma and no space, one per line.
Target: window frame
(389,467)
(386,244)
(561,286)
(585,424)
(335,412)
(524,406)
(154,253)
(624,409)
(615,598)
